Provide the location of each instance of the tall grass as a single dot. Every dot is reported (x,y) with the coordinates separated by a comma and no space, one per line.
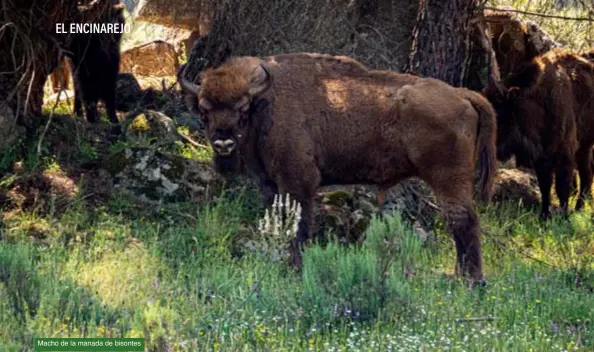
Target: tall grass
(171,275)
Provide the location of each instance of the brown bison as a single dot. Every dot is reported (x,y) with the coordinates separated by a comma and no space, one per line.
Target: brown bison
(300,121)
(546,119)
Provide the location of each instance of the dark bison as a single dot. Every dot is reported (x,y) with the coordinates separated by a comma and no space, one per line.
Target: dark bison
(546,119)
(300,121)
(95,65)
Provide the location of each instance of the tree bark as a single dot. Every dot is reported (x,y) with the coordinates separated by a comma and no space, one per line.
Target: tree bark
(441,40)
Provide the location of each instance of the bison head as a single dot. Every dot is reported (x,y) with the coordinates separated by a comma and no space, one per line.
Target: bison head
(224,99)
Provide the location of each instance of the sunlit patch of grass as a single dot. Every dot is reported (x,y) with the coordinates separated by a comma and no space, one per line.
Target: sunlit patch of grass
(122,278)
(63,107)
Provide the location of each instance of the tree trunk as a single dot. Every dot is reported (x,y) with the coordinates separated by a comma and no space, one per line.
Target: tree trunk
(441,40)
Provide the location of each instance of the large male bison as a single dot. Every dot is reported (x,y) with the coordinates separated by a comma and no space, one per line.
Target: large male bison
(546,119)
(300,121)
(95,65)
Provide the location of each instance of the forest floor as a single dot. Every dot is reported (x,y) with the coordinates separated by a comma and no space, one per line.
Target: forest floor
(89,262)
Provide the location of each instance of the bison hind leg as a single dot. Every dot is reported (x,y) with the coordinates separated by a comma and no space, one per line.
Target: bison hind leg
(453,191)
(462,222)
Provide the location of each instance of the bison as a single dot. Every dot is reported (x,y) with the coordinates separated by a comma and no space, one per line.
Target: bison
(300,121)
(545,117)
(95,59)
(60,76)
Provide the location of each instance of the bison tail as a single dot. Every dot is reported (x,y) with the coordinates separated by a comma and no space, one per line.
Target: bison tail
(486,147)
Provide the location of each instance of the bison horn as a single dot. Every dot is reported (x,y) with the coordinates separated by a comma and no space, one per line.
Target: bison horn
(184,83)
(261,81)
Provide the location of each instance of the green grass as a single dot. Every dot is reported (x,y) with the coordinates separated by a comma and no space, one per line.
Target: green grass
(169,275)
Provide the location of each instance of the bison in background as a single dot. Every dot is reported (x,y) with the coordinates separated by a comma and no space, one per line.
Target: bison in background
(95,63)
(546,119)
(60,76)
(300,121)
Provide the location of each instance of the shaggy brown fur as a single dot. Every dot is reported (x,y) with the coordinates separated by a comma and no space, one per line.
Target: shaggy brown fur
(60,77)
(515,42)
(546,119)
(301,121)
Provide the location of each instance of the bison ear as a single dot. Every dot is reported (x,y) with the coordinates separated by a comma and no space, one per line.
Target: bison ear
(261,81)
(513,93)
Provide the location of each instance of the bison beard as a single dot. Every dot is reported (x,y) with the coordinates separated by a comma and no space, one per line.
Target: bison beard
(330,120)
(227,164)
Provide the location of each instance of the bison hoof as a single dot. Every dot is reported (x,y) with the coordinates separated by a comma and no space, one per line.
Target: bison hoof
(478,284)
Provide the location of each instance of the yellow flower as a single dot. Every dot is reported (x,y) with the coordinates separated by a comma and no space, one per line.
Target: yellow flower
(538,301)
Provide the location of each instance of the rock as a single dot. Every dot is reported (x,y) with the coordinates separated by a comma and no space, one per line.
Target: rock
(345,213)
(513,185)
(128,92)
(157,127)
(192,121)
(188,14)
(155,177)
(415,201)
(157,58)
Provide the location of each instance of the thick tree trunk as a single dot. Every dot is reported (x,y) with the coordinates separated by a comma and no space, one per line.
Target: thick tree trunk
(441,40)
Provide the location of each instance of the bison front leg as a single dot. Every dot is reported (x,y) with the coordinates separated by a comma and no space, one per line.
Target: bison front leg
(544,176)
(301,184)
(584,156)
(267,191)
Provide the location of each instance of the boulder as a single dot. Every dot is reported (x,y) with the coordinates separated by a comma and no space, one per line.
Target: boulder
(516,186)
(345,214)
(154,126)
(155,177)
(187,14)
(157,59)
